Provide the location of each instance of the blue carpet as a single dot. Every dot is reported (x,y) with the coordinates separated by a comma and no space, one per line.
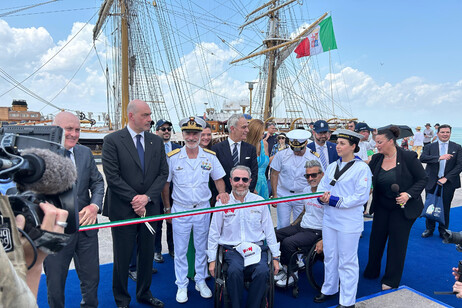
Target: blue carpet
(428,268)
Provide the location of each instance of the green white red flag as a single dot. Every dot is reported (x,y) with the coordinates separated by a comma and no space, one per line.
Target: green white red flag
(319,40)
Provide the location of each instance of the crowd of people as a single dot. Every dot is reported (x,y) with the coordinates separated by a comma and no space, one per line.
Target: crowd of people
(147,174)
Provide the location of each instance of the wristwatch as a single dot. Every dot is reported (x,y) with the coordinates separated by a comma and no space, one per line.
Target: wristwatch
(409,195)
(166,209)
(149,199)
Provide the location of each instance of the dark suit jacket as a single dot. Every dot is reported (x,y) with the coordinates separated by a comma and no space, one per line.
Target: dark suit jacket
(430,156)
(124,176)
(331,150)
(410,176)
(248,158)
(89,179)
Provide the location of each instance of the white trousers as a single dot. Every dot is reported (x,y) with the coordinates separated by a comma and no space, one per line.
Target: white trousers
(284,210)
(341,264)
(181,233)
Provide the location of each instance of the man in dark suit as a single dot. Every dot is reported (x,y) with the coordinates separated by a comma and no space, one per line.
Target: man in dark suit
(326,149)
(136,170)
(164,131)
(444,164)
(83,246)
(234,151)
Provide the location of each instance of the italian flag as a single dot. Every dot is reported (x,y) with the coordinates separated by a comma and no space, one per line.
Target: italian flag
(319,40)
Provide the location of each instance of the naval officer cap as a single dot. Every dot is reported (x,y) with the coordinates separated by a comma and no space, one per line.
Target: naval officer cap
(349,135)
(192,124)
(298,138)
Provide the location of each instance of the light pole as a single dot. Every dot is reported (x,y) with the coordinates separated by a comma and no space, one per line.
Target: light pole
(251,83)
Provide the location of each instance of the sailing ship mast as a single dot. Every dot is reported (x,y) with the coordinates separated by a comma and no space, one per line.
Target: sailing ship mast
(274,56)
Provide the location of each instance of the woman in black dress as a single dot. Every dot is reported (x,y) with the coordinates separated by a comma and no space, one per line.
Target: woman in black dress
(398,181)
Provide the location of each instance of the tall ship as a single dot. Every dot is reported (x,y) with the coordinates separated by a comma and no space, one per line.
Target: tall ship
(189,57)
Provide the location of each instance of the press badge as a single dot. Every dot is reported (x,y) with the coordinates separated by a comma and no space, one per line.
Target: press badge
(5,234)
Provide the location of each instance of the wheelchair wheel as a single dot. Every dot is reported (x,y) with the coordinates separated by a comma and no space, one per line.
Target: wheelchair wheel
(270,295)
(219,285)
(315,268)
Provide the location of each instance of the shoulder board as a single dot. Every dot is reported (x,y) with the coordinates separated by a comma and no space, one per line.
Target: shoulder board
(171,153)
(210,151)
(314,153)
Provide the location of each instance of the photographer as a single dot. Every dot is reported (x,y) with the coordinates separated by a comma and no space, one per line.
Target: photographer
(14,277)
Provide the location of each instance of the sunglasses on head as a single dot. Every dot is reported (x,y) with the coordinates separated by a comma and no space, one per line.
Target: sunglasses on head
(237,179)
(312,175)
(165,128)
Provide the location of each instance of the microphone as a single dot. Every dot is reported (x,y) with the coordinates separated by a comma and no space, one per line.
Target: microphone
(395,190)
(45,172)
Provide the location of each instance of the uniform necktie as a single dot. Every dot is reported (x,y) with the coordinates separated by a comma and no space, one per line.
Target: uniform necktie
(167,148)
(235,155)
(443,161)
(139,148)
(322,157)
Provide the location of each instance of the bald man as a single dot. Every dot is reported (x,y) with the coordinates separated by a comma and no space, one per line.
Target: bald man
(136,170)
(83,246)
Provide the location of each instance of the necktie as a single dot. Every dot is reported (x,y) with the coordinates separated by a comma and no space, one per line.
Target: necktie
(167,148)
(235,155)
(322,157)
(443,161)
(67,153)
(139,148)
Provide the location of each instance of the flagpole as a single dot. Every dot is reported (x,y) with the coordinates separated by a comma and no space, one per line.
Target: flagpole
(331,90)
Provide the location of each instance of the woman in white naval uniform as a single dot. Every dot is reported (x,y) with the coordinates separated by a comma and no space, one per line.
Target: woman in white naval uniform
(345,192)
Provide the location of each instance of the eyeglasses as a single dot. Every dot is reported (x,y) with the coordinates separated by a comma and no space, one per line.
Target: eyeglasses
(165,128)
(237,179)
(312,175)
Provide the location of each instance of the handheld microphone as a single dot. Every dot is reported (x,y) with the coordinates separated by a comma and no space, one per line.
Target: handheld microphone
(395,190)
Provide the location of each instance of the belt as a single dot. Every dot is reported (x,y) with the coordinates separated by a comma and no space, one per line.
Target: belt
(191,206)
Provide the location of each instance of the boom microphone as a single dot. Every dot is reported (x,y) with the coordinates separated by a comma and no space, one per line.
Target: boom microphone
(48,173)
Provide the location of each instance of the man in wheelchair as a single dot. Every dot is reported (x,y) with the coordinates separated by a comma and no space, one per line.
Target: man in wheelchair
(242,234)
(306,232)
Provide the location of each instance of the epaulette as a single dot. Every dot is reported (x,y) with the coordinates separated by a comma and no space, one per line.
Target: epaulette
(314,153)
(210,151)
(171,153)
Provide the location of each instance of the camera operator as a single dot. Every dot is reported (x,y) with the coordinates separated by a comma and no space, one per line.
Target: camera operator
(19,286)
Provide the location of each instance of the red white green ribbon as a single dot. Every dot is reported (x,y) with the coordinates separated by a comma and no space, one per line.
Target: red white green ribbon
(133,221)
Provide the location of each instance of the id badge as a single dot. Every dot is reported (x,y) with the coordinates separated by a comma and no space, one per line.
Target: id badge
(5,234)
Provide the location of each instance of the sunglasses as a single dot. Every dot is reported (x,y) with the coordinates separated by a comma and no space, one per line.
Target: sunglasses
(165,128)
(237,179)
(311,175)
(281,138)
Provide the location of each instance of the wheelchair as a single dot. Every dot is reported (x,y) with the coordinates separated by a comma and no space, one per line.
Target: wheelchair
(314,268)
(220,293)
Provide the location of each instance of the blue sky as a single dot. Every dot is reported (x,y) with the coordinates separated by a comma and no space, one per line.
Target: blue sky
(407,51)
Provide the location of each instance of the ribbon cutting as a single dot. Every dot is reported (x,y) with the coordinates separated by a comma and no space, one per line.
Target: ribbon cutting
(127,222)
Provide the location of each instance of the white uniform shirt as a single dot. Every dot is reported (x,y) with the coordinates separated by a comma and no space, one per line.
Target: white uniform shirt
(364,146)
(232,227)
(418,139)
(314,211)
(353,189)
(291,169)
(190,177)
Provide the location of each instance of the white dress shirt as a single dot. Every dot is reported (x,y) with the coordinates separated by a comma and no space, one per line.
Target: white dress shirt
(232,227)
(231,147)
(133,135)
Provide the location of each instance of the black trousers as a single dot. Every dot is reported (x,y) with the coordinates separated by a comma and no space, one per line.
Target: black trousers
(84,249)
(293,237)
(448,195)
(123,239)
(393,226)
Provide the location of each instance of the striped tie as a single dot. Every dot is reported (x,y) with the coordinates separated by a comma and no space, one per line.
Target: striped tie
(322,157)
(235,155)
